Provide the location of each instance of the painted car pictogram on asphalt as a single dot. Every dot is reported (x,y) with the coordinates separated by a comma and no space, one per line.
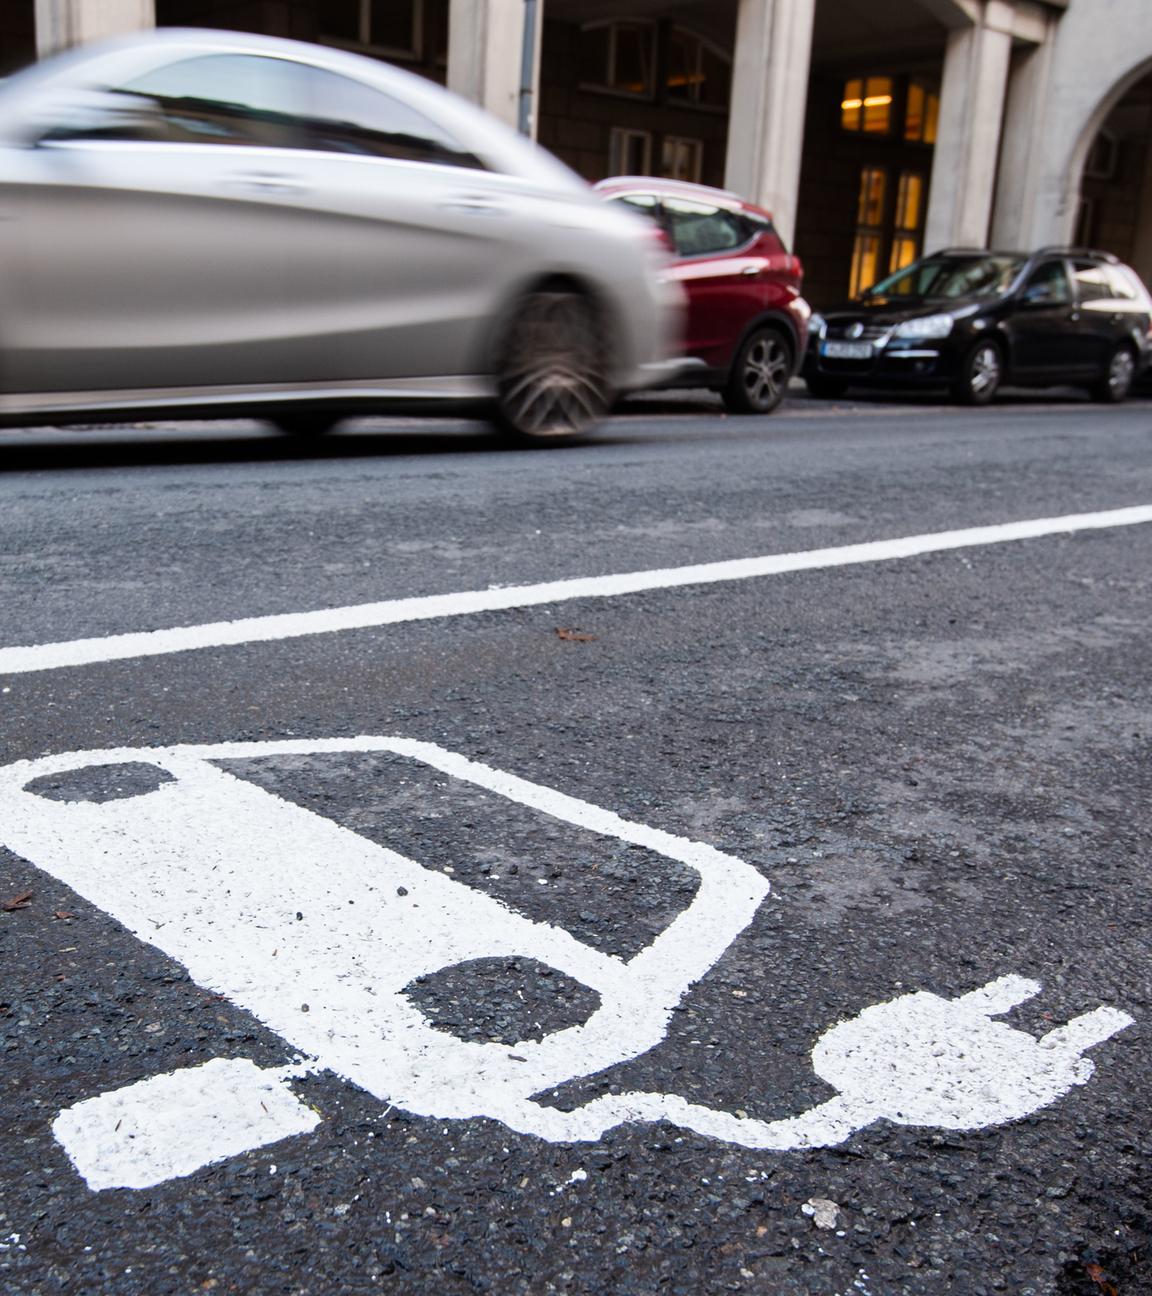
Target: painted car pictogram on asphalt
(333,987)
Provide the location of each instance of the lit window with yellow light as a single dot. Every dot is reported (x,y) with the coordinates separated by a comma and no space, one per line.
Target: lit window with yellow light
(866,105)
(870,205)
(921,111)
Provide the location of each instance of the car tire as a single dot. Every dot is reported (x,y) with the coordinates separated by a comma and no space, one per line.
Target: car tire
(825,388)
(760,372)
(980,375)
(1119,374)
(305,425)
(551,369)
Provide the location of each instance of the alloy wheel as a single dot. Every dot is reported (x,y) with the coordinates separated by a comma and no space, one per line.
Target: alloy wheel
(1121,372)
(984,375)
(766,370)
(551,381)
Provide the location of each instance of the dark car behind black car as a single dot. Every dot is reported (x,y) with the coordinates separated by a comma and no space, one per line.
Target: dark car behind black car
(970,320)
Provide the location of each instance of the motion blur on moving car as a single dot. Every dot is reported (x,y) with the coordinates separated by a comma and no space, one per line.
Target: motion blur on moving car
(208,223)
(971,320)
(747,324)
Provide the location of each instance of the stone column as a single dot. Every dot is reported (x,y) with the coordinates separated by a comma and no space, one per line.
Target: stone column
(63,23)
(1021,156)
(485,53)
(968,137)
(769,104)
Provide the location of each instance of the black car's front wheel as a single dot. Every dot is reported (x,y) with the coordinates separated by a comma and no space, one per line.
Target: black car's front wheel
(980,375)
(759,375)
(1115,382)
(551,370)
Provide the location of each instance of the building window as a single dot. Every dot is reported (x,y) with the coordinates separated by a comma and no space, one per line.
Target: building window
(1100,164)
(698,72)
(869,229)
(682,159)
(921,113)
(394,28)
(867,105)
(619,57)
(909,221)
(629,152)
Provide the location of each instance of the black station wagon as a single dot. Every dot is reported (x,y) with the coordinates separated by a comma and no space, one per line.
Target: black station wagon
(970,320)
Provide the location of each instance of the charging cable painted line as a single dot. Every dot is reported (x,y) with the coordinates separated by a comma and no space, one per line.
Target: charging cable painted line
(360,616)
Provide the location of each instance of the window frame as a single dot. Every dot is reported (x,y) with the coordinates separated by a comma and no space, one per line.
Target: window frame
(366,45)
(694,146)
(929,115)
(613,26)
(908,234)
(702,43)
(860,104)
(865,229)
(618,139)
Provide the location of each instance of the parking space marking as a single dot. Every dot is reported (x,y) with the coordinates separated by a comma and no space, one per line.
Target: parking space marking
(325,931)
(25,659)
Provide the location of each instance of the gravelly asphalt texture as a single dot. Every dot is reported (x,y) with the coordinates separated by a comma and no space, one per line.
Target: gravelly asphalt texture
(941,764)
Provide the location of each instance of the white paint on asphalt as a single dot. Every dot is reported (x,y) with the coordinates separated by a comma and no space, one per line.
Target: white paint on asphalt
(174,1124)
(317,931)
(263,629)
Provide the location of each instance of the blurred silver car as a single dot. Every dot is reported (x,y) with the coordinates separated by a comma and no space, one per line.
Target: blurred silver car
(207,223)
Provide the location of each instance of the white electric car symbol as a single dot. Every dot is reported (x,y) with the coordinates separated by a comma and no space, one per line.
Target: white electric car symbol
(251,894)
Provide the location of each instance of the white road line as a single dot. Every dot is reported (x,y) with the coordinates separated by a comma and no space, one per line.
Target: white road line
(359,616)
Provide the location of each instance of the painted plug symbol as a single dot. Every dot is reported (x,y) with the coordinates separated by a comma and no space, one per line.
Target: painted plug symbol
(917,1060)
(924,1060)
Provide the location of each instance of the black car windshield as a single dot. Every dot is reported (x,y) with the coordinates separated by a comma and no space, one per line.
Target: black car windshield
(951,277)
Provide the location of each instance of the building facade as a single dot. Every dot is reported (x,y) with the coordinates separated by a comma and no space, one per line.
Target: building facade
(873,129)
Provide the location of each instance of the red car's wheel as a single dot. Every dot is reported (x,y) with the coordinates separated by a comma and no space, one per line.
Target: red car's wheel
(759,375)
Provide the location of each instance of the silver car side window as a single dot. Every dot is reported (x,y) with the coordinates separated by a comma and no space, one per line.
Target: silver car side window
(344,115)
(236,99)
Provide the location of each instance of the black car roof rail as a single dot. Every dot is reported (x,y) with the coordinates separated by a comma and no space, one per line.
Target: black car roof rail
(1060,250)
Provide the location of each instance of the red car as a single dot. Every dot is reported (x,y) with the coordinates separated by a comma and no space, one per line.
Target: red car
(747,325)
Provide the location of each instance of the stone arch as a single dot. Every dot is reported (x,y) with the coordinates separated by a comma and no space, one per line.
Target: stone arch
(1096,52)
(1099,115)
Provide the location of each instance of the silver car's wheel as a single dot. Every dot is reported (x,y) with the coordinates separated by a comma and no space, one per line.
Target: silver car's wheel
(551,381)
(1119,375)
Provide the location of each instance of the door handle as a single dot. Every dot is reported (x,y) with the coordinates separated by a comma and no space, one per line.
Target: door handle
(265,182)
(476,204)
(750,271)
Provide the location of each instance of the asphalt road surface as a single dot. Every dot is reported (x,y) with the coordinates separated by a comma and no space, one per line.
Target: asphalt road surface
(755,928)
